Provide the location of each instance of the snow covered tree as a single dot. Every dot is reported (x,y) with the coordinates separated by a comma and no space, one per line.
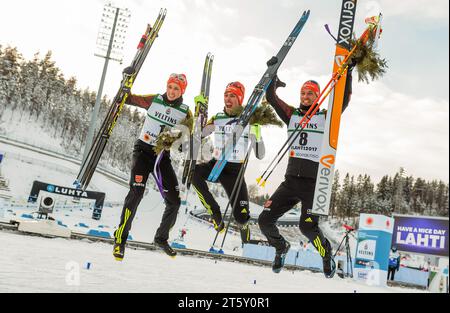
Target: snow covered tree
(442,196)
(347,198)
(335,193)
(10,60)
(418,205)
(399,203)
(28,80)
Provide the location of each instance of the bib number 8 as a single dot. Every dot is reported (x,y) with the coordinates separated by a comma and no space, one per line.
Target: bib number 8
(303,139)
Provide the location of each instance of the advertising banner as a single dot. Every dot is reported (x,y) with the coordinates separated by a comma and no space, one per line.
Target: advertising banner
(372,251)
(99,197)
(421,234)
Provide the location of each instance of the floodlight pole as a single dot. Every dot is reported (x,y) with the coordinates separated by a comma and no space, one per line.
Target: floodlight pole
(90,136)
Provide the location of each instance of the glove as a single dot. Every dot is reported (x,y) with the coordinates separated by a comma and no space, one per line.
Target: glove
(275,84)
(200,99)
(278,83)
(255,130)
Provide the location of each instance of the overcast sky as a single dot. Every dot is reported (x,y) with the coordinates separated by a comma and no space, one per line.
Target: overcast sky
(401,120)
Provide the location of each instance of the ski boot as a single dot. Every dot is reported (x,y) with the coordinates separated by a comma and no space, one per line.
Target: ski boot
(280,256)
(119,252)
(218,223)
(164,245)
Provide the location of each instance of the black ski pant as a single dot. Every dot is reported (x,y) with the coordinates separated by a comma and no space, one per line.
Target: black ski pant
(391,273)
(143,164)
(228,178)
(292,191)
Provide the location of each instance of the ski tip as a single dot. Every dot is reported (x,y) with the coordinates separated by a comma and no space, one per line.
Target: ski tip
(263,185)
(306,14)
(258,180)
(303,19)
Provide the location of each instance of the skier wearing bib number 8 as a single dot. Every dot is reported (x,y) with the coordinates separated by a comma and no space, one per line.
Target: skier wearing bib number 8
(165,110)
(300,177)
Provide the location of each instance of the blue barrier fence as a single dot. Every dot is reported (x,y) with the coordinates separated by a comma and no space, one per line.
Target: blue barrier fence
(312,260)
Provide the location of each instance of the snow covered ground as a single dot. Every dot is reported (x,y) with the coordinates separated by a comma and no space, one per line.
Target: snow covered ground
(33,264)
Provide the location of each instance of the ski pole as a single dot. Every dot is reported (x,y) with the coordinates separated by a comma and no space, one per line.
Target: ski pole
(235,191)
(240,181)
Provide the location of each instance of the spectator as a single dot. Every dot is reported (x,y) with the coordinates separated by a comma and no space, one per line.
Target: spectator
(394,263)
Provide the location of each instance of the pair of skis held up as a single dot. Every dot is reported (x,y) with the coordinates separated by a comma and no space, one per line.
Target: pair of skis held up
(256,97)
(89,165)
(200,120)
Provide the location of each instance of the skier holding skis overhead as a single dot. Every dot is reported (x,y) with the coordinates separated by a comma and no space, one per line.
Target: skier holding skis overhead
(300,178)
(165,110)
(223,125)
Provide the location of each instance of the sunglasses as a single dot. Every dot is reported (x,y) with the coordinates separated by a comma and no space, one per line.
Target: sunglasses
(236,85)
(180,77)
